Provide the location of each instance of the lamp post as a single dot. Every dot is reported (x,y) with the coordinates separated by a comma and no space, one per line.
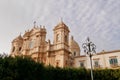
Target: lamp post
(89,49)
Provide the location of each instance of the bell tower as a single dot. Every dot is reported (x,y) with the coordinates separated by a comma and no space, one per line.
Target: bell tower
(61,34)
(61,44)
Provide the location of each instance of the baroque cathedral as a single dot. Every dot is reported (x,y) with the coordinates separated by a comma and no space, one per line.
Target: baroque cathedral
(59,53)
(62,52)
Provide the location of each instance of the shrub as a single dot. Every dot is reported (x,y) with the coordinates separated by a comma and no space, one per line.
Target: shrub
(20,68)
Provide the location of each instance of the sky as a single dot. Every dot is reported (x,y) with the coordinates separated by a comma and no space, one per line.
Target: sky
(97,19)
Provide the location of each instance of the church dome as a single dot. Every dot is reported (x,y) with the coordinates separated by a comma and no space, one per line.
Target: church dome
(74,47)
(19,38)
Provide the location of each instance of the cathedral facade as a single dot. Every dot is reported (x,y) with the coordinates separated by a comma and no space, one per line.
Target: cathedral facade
(60,52)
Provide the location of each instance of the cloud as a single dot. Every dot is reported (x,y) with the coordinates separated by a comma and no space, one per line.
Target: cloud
(98,19)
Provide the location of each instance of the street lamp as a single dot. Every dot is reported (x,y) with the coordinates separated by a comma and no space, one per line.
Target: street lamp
(89,49)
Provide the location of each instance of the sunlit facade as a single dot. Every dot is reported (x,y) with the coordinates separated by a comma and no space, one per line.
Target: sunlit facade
(102,60)
(64,51)
(33,43)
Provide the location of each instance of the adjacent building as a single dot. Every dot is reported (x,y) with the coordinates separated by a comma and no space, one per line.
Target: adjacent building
(102,60)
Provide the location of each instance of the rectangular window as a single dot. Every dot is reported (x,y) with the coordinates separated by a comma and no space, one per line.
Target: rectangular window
(82,64)
(96,63)
(113,62)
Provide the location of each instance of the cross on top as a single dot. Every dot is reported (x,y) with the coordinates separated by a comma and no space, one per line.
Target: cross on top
(34,23)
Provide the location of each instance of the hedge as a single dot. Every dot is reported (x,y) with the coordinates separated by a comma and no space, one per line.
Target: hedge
(19,68)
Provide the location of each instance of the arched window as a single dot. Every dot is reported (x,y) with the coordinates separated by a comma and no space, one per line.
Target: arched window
(66,62)
(58,63)
(58,37)
(66,38)
(20,48)
(13,49)
(74,53)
